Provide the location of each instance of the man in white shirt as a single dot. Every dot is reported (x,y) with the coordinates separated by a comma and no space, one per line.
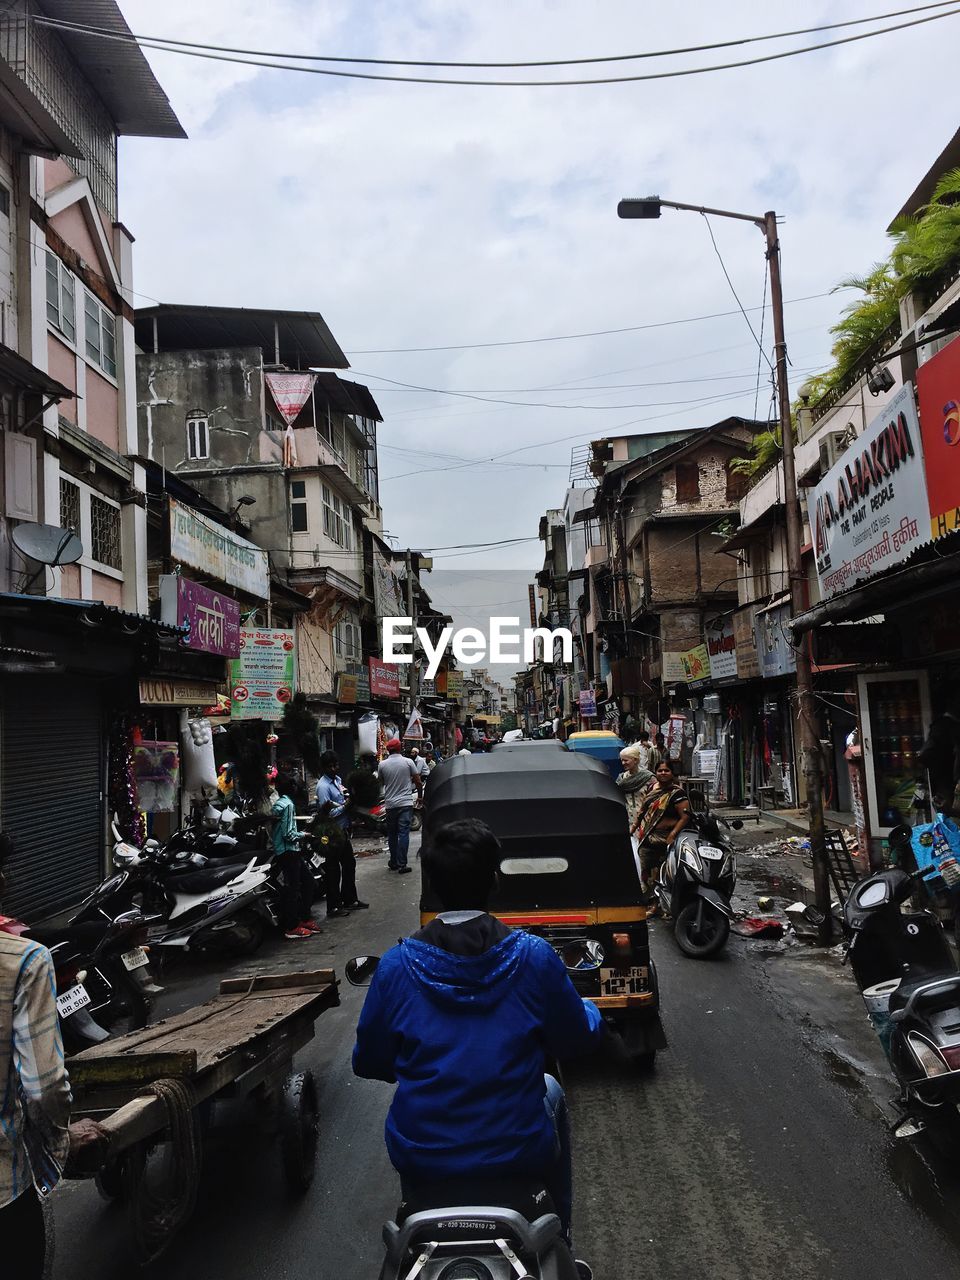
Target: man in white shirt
(398,776)
(420,763)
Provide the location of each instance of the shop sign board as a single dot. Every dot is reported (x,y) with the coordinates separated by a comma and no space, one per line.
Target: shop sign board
(745,635)
(722,648)
(938,386)
(178,693)
(671,670)
(262,678)
(428,688)
(588,703)
(346,688)
(384,679)
(870,511)
(198,541)
(696,665)
(455,685)
(213,620)
(777,655)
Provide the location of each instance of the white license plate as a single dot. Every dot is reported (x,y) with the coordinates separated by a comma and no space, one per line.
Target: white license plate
(72,1000)
(711,852)
(135,959)
(316,861)
(624,982)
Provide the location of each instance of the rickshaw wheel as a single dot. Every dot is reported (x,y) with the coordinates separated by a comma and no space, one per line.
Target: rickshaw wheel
(109,1181)
(299,1119)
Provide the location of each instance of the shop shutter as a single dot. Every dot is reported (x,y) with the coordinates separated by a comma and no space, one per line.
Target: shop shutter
(51,778)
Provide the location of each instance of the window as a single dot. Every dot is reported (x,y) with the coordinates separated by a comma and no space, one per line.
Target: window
(337,521)
(61,298)
(688,482)
(100,331)
(4,201)
(198,436)
(298,506)
(346,639)
(69,505)
(105,532)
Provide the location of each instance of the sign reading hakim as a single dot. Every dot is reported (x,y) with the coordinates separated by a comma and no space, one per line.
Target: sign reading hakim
(870,510)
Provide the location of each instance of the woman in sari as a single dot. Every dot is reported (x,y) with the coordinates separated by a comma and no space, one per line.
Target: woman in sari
(664,811)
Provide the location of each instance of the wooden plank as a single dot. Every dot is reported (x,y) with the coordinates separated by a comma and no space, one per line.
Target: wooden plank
(115,1069)
(292,982)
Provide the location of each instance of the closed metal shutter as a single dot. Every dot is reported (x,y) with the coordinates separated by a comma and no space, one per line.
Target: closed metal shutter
(51,778)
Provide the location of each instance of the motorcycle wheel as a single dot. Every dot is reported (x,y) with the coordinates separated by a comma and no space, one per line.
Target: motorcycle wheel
(709,939)
(246,935)
(416,821)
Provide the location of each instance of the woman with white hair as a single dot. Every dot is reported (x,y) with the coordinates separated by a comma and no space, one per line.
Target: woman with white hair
(634,780)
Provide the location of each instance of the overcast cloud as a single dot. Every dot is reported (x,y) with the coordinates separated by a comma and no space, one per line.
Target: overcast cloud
(420,216)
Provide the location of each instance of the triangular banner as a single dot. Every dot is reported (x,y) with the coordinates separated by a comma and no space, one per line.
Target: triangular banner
(290,392)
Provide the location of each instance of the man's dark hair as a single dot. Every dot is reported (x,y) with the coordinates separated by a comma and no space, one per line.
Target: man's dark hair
(644,737)
(461,863)
(329,760)
(285,785)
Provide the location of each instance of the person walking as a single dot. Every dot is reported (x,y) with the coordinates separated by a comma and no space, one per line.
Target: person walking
(634,780)
(421,763)
(398,778)
(296,894)
(649,755)
(663,813)
(340,860)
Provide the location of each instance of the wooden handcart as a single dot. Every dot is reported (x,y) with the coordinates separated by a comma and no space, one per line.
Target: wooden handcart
(159,1086)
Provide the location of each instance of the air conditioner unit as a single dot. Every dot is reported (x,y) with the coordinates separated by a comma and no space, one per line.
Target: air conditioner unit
(832,444)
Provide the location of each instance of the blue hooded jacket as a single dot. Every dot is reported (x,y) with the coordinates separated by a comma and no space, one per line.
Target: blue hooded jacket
(465,1040)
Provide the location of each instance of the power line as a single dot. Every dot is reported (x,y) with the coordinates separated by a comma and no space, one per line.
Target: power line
(726,273)
(206,52)
(569,337)
(554,62)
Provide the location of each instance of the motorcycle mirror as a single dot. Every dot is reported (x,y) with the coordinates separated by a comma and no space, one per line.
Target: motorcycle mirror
(582,954)
(360,969)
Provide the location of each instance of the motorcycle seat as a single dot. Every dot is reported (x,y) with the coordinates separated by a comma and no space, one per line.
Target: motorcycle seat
(526,1196)
(71,941)
(944,997)
(209,878)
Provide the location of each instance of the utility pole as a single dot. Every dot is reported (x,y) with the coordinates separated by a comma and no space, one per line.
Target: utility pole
(649,207)
(412,615)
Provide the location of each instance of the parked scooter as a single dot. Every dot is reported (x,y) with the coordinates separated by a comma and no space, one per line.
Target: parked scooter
(908,977)
(465,1231)
(102,975)
(374,820)
(696,885)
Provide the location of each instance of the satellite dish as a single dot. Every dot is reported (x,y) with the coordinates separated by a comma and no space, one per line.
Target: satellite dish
(47,543)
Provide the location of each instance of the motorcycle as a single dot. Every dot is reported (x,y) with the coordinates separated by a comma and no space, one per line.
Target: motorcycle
(102,975)
(465,1231)
(696,885)
(910,984)
(374,819)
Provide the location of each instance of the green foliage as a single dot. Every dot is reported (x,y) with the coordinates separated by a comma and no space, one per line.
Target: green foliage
(765,451)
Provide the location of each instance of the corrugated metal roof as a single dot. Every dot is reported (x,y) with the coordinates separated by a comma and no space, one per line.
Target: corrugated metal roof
(117,69)
(305,339)
(350,397)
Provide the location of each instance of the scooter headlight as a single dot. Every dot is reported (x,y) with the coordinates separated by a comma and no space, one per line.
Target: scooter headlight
(926,1055)
(125,855)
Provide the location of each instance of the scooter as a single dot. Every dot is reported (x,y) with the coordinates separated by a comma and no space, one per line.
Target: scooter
(910,984)
(374,819)
(696,885)
(463,1230)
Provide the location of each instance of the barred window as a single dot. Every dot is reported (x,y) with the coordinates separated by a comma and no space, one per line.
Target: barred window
(69,505)
(105,532)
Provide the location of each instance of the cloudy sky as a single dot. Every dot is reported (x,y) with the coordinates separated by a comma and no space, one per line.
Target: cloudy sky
(418,216)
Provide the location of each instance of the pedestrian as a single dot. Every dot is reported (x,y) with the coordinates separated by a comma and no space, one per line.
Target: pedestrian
(296,892)
(421,764)
(398,778)
(463,1018)
(35,1132)
(634,780)
(663,813)
(649,754)
(341,861)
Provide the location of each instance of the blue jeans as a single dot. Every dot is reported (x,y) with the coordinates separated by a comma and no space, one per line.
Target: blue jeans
(560,1179)
(398,834)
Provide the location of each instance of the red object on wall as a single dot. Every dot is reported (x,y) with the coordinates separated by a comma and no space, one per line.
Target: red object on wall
(384,679)
(938,388)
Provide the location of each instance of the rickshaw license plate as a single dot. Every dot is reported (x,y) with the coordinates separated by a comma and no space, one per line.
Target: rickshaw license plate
(316,861)
(135,958)
(624,982)
(72,1000)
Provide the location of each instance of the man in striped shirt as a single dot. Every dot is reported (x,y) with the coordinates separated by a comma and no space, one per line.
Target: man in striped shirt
(34,1101)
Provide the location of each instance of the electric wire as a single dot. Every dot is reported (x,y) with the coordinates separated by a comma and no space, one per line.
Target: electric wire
(726,273)
(164,46)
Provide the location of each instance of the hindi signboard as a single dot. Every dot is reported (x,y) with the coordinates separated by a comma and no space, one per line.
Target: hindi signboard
(262,678)
(212,620)
(870,511)
(198,541)
(384,679)
(722,648)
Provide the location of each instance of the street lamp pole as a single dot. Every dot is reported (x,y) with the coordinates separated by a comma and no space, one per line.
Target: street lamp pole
(649,207)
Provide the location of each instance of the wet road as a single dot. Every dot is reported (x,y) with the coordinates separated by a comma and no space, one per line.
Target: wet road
(758,1145)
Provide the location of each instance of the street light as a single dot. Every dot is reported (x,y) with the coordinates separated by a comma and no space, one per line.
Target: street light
(650,207)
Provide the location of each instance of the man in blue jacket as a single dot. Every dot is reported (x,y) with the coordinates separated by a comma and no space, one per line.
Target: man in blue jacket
(461,1017)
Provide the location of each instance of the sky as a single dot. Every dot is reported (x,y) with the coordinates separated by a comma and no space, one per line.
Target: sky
(417,216)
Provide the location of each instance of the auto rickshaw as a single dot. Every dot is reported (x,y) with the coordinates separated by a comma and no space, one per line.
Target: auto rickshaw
(567,873)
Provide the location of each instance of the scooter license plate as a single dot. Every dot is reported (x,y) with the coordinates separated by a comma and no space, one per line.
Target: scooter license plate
(135,958)
(624,982)
(316,861)
(711,852)
(73,999)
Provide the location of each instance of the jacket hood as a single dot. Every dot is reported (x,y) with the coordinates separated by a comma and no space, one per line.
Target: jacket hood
(479,982)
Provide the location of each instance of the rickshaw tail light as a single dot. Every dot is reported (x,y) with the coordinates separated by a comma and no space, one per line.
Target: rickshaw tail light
(621,944)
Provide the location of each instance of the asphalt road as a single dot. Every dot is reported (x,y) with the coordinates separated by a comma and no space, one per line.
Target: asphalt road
(759,1145)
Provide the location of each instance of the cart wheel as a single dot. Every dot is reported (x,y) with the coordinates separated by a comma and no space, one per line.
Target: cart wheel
(298,1130)
(109,1181)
